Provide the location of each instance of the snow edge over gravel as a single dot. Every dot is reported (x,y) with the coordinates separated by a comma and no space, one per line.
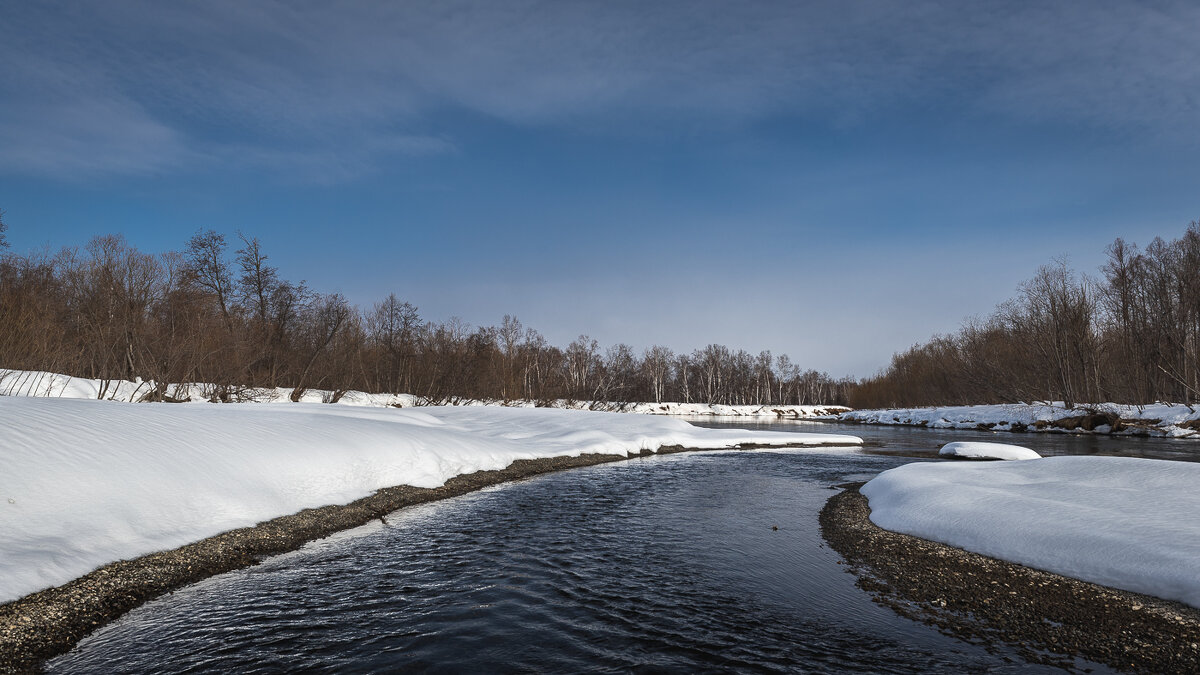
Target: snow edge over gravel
(84,483)
(1124,522)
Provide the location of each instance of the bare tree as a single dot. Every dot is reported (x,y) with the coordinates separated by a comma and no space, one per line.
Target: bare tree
(325,318)
(392,326)
(714,362)
(619,374)
(509,337)
(209,270)
(683,372)
(257,281)
(582,364)
(538,362)
(656,361)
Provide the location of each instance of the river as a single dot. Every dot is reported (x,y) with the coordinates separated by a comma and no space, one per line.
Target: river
(708,561)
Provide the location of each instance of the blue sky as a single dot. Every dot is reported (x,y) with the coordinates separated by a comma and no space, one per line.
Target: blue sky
(831,180)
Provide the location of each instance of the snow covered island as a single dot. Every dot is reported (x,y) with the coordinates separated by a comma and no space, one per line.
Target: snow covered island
(87,482)
(1123,522)
(979,450)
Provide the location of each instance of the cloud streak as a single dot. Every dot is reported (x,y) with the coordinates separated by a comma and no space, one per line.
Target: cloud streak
(128,87)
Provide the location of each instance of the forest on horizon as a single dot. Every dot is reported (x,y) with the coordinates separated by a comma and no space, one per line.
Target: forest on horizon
(217,312)
(209,314)
(1129,335)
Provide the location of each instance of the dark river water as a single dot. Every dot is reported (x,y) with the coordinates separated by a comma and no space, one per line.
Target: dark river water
(658,564)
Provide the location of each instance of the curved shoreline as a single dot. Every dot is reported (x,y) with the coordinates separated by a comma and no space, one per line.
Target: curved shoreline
(1048,618)
(45,624)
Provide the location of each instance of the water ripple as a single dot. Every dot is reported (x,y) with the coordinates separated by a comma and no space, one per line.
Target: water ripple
(663,564)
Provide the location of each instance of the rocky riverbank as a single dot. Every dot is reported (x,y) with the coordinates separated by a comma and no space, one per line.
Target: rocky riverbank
(1158,420)
(1048,618)
(44,624)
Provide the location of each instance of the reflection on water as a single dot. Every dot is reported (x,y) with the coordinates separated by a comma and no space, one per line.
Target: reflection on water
(657,564)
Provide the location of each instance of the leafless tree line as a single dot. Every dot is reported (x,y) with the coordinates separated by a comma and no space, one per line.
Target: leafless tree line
(227,318)
(1131,335)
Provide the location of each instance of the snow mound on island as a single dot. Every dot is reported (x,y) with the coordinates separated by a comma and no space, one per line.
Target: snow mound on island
(84,482)
(980,450)
(1123,522)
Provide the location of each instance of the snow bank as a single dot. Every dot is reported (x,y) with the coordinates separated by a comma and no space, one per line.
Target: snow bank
(85,482)
(959,417)
(1159,419)
(39,384)
(716,410)
(977,450)
(1124,522)
(54,385)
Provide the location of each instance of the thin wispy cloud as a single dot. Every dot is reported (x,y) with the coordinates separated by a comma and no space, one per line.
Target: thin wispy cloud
(329,163)
(173,82)
(107,136)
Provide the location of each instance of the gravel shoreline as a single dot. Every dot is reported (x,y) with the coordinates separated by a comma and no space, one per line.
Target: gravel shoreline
(48,623)
(45,624)
(1049,619)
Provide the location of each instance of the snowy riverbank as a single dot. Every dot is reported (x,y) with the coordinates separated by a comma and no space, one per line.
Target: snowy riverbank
(85,482)
(1047,618)
(1123,522)
(53,385)
(1159,419)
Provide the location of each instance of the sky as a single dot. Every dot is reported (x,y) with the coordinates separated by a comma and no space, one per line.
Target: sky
(832,180)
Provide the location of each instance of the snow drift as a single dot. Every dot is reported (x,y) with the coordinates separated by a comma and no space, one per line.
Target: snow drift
(85,482)
(54,385)
(980,450)
(1124,522)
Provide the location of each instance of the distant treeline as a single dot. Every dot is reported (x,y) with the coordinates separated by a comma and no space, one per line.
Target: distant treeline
(1130,335)
(211,315)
